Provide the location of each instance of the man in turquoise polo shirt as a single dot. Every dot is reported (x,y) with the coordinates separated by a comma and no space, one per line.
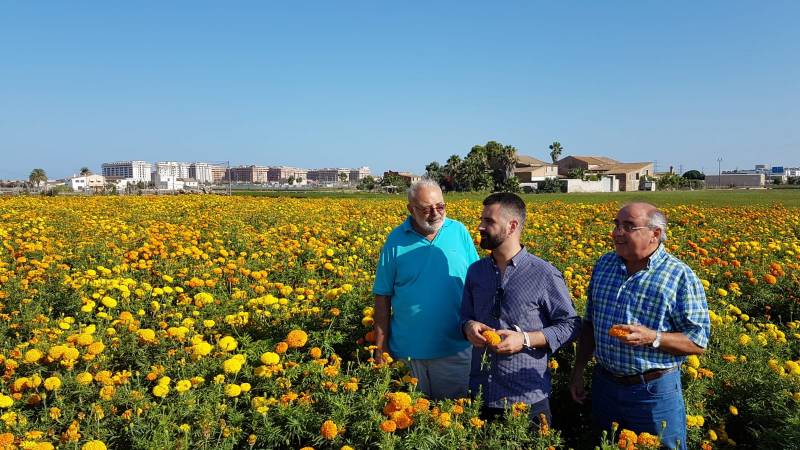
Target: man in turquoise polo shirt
(418,289)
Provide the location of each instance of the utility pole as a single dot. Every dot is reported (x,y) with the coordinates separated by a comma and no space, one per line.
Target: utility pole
(719,172)
(228,171)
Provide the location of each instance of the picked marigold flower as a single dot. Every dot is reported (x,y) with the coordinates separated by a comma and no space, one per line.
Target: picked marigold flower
(492,338)
(618,331)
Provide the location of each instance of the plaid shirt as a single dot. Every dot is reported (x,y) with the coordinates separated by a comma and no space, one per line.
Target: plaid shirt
(666,295)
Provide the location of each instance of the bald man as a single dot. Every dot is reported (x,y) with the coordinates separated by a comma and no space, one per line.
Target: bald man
(657,308)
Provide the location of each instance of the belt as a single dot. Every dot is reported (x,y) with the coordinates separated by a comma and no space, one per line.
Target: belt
(645,377)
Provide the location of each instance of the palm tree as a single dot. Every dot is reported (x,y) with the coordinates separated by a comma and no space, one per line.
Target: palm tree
(85,171)
(555,151)
(37,176)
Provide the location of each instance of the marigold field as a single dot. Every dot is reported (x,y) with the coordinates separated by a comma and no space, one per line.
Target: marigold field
(241,322)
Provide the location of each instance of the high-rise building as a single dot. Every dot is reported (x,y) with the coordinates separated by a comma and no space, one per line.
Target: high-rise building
(202,172)
(283,174)
(177,170)
(134,170)
(249,174)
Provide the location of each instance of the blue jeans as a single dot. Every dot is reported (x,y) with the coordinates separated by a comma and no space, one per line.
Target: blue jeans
(642,407)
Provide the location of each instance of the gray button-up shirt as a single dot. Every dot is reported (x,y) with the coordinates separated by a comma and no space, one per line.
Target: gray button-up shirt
(535,298)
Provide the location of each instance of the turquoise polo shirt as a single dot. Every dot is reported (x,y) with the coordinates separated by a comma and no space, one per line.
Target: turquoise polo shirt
(425,280)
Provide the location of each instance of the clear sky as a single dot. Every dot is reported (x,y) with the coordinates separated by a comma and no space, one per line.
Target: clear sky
(396,84)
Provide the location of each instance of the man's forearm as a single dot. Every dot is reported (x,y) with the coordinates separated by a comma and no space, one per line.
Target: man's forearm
(383,307)
(585,348)
(679,344)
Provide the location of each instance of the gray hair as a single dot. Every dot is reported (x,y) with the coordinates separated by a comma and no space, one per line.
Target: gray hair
(424,182)
(657,219)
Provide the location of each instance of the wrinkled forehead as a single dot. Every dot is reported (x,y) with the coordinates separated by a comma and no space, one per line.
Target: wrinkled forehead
(635,213)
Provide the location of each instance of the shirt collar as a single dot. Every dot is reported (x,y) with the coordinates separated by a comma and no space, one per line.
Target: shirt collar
(657,256)
(516,259)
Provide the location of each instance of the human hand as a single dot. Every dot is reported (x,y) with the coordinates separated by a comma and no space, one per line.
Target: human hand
(473,331)
(636,335)
(512,342)
(577,388)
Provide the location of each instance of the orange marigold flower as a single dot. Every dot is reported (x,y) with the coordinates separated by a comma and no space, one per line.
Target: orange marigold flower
(296,338)
(329,430)
(617,331)
(388,426)
(770,279)
(491,337)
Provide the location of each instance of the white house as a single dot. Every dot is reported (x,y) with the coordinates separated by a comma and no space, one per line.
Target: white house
(80,183)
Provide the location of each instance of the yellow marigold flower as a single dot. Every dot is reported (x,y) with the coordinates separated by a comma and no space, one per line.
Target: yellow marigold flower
(227,343)
(296,338)
(722,292)
(693,361)
(346,447)
(491,337)
(52,383)
(733,410)
(56,352)
(744,339)
(183,386)
(270,358)
(232,390)
(245,387)
(33,355)
(402,419)
(443,420)
(161,390)
(315,352)
(329,430)
(94,445)
(232,365)
(146,335)
(185,428)
(476,422)
(109,302)
(84,378)
(6,401)
(201,349)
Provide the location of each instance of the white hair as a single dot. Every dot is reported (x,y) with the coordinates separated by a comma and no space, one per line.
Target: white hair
(419,184)
(657,219)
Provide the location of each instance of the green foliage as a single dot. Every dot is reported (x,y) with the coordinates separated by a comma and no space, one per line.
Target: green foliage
(367,183)
(37,176)
(671,181)
(577,173)
(555,151)
(694,175)
(549,186)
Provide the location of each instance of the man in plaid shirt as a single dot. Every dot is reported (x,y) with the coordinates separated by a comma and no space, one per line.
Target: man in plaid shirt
(646,312)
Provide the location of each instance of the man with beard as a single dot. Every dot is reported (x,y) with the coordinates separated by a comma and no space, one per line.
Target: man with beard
(525,300)
(646,311)
(417,290)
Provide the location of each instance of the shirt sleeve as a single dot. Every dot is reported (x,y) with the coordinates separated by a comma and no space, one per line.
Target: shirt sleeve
(565,323)
(467,303)
(690,314)
(385,275)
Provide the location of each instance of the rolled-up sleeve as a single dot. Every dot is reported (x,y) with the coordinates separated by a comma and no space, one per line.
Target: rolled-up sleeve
(565,324)
(690,314)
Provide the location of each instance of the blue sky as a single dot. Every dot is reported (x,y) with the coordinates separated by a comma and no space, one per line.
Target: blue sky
(395,85)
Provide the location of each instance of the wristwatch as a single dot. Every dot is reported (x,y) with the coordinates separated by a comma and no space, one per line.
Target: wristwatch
(657,341)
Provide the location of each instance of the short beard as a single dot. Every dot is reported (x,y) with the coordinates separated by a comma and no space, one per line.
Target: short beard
(491,242)
(427,228)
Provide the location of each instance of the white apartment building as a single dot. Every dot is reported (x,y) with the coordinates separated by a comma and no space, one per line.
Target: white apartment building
(80,183)
(178,170)
(201,172)
(135,170)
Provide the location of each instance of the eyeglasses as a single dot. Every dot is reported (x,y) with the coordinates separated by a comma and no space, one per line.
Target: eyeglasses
(497,306)
(439,208)
(627,227)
